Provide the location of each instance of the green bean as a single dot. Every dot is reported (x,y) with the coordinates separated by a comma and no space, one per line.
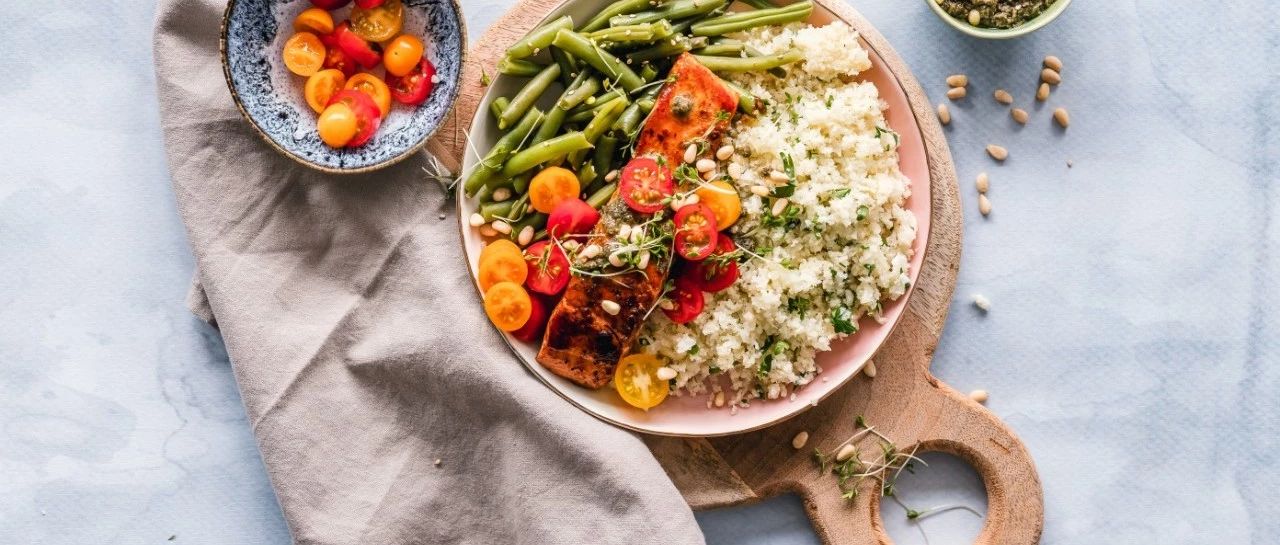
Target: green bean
(633,34)
(586,175)
(588,115)
(749,64)
(484,193)
(527,96)
(678,9)
(492,163)
(735,22)
(498,105)
(604,62)
(520,184)
(646,105)
(602,122)
(667,48)
(602,159)
(758,4)
(575,94)
(648,72)
(601,196)
(537,221)
(538,38)
(723,50)
(629,120)
(545,151)
(591,104)
(491,210)
(620,7)
(568,65)
(747,102)
(518,67)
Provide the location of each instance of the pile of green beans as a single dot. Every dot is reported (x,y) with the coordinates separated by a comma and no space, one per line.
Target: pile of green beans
(609,71)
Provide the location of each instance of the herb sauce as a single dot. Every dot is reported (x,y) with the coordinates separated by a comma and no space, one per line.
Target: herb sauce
(996,13)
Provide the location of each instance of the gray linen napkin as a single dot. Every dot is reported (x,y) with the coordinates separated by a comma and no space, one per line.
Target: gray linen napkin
(363,353)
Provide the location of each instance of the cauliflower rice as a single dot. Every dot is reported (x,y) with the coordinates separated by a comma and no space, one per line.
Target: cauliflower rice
(840,249)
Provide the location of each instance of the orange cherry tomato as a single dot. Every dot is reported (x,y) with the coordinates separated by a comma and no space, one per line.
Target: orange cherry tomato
(636,380)
(401,56)
(502,266)
(723,199)
(552,185)
(314,20)
(368,117)
(373,86)
(378,24)
(499,246)
(337,125)
(304,54)
(508,305)
(321,87)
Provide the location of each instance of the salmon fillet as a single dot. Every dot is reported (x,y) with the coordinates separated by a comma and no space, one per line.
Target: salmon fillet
(583,343)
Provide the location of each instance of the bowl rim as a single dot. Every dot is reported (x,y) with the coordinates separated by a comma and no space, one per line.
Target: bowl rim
(450,102)
(1040,21)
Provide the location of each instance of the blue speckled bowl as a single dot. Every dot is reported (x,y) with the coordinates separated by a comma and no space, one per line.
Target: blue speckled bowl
(253,34)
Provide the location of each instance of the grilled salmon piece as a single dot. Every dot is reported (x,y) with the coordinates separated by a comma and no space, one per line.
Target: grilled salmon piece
(583,342)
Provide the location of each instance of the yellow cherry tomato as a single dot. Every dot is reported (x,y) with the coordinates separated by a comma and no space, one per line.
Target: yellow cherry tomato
(552,185)
(304,54)
(314,20)
(401,56)
(321,87)
(723,200)
(373,86)
(508,305)
(636,380)
(337,125)
(378,24)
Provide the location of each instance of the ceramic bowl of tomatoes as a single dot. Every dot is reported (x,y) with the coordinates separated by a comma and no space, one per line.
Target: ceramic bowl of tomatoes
(344,86)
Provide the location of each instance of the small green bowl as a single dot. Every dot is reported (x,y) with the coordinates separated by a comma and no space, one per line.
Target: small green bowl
(1045,17)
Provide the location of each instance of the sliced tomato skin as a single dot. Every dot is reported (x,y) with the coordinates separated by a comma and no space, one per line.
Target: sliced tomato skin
(367,112)
(335,57)
(414,88)
(688,304)
(330,4)
(369,4)
(368,54)
(552,278)
(532,329)
(712,274)
(696,232)
(645,184)
(572,217)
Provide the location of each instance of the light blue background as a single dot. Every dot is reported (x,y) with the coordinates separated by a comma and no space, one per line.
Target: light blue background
(1132,341)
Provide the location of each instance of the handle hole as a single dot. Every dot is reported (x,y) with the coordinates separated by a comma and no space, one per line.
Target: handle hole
(947,481)
(780,519)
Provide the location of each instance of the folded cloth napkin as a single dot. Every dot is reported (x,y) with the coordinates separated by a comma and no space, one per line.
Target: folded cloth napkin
(386,407)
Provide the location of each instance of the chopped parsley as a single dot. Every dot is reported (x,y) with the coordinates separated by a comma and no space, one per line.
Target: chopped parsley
(693,351)
(842,319)
(840,193)
(798,305)
(862,212)
(789,167)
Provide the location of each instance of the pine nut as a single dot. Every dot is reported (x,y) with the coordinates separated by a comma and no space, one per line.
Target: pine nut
(724,153)
(983,183)
(984,204)
(845,453)
(501,194)
(760,190)
(611,176)
(1042,94)
(736,170)
(611,307)
(589,252)
(705,165)
(486,231)
(526,235)
(956,93)
(624,232)
(666,373)
(476,220)
(692,199)
(615,259)
(1050,76)
(980,396)
(944,114)
(691,153)
(1060,115)
(676,203)
(666,304)
(1019,115)
(779,176)
(719,399)
(981,301)
(869,369)
(501,227)
(1053,63)
(997,152)
(957,80)
(709,174)
(570,245)
(779,206)
(643,261)
(799,440)
(1003,96)
(975,17)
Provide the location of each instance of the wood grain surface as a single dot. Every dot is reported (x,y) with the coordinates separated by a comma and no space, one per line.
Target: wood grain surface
(904,401)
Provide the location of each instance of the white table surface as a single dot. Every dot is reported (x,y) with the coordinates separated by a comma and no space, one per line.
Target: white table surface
(1132,341)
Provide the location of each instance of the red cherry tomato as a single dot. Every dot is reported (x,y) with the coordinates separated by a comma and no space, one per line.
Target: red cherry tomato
(645,184)
(368,116)
(716,272)
(330,4)
(368,54)
(369,4)
(548,268)
(414,88)
(335,57)
(531,331)
(688,304)
(696,232)
(572,217)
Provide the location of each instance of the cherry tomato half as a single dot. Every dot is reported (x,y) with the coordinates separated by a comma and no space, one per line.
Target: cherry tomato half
(378,23)
(717,272)
(637,382)
(321,87)
(531,331)
(337,125)
(414,88)
(304,54)
(401,56)
(688,303)
(373,86)
(314,20)
(330,4)
(336,58)
(723,200)
(367,54)
(696,231)
(645,184)
(501,264)
(548,268)
(368,116)
(572,217)
(508,305)
(552,186)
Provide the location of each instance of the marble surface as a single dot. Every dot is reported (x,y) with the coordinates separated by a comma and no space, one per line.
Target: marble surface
(1132,341)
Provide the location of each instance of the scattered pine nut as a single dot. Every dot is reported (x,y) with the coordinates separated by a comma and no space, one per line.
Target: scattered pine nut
(956,93)
(981,301)
(845,453)
(1050,76)
(760,190)
(957,80)
(437,462)
(615,259)
(691,153)
(501,194)
(1019,115)
(666,373)
(944,114)
(975,17)
(487,231)
(1053,63)
(1003,96)
(624,232)
(799,440)
(1069,163)
(724,153)
(611,307)
(779,177)
(869,369)
(589,252)
(719,399)
(779,206)
(997,152)
(983,183)
(476,220)
(570,245)
(980,396)
(525,236)
(705,165)
(501,227)
(1042,94)
(1060,115)
(611,176)
(643,261)
(984,204)
(691,199)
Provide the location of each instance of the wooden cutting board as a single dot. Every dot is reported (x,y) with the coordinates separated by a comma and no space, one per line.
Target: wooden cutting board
(904,401)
